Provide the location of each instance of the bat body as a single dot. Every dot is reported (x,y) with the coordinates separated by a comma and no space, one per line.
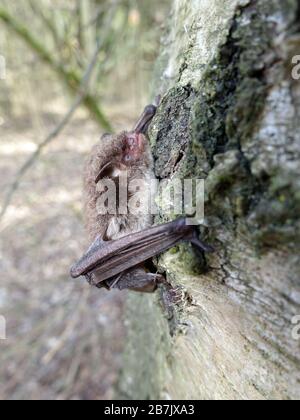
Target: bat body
(122,243)
(126,155)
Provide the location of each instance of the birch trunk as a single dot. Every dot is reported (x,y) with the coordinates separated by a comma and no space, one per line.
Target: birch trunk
(230,114)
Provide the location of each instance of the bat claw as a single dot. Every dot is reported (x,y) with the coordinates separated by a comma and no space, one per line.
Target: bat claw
(192,236)
(208,249)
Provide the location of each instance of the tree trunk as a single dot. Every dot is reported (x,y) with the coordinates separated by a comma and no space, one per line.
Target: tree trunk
(230,114)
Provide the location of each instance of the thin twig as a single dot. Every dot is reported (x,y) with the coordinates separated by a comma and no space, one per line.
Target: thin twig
(95,19)
(81,96)
(69,76)
(28,164)
(39,12)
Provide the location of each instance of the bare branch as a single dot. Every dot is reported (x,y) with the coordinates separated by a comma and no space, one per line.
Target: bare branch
(69,77)
(38,11)
(82,96)
(28,164)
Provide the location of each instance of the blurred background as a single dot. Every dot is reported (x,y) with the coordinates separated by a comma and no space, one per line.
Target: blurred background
(64,339)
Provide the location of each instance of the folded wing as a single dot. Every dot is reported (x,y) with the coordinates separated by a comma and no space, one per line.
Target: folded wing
(111,258)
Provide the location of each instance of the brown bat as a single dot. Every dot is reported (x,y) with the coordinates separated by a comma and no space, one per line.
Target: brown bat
(123,243)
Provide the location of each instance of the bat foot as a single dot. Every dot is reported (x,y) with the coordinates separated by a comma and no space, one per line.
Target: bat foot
(160,279)
(153,281)
(137,280)
(176,295)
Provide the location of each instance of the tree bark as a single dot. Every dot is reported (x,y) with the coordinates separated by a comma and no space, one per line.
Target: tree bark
(229,114)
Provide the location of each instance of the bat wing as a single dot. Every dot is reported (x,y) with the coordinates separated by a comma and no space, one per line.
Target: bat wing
(111,258)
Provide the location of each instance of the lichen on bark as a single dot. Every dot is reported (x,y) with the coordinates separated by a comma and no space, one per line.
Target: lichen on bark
(229,114)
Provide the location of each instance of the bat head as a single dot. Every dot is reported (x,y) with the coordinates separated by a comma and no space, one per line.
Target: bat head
(128,151)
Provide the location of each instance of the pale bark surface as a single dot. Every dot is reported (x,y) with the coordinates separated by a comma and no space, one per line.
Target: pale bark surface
(230,114)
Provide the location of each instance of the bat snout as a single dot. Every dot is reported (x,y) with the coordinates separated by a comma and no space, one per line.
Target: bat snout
(135,144)
(135,141)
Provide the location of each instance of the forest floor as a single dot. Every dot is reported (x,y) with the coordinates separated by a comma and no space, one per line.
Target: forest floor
(64,339)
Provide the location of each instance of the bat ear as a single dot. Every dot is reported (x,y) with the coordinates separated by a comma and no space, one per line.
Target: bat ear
(104,171)
(142,125)
(83,265)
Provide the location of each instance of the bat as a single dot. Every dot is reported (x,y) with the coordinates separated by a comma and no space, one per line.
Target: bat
(122,244)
